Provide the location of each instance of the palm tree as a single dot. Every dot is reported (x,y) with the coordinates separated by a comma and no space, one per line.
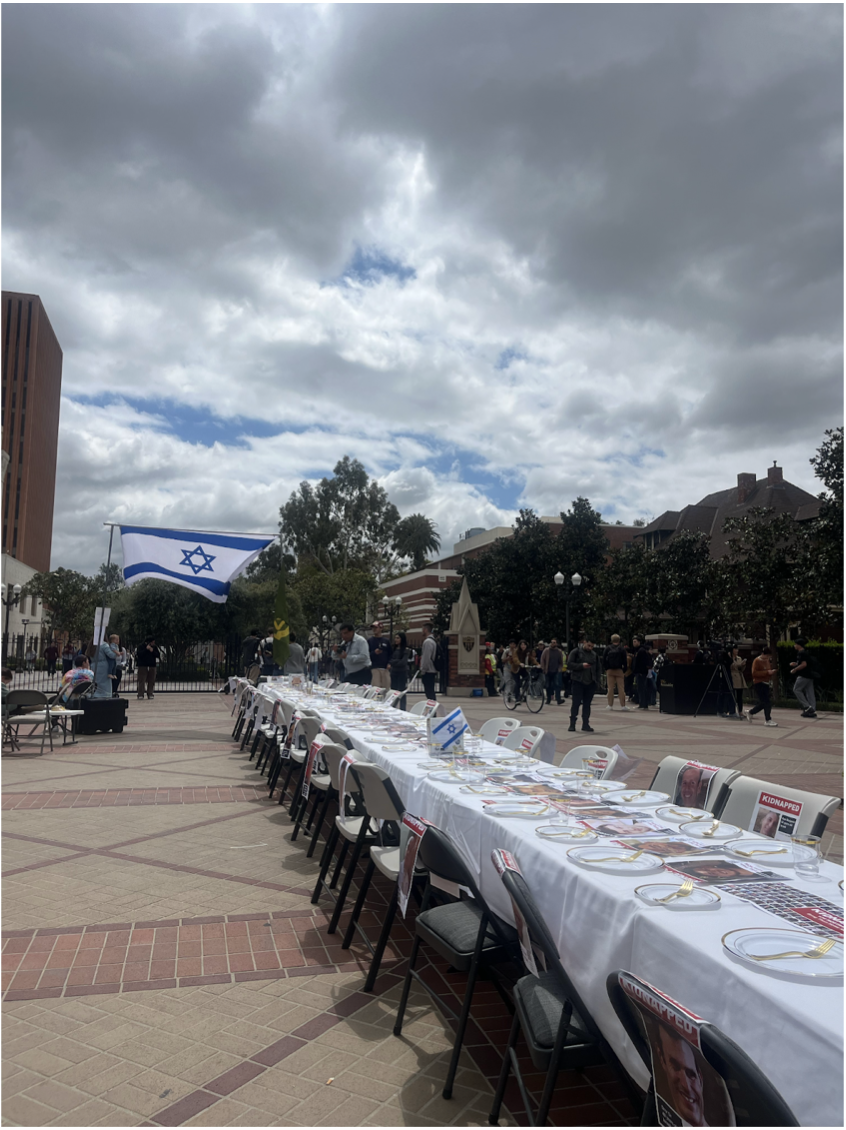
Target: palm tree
(415,539)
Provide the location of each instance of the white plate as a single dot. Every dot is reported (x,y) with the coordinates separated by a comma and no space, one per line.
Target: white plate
(599,859)
(551,771)
(764,940)
(562,834)
(516,762)
(484,790)
(603,787)
(774,853)
(522,811)
(457,777)
(696,829)
(405,746)
(431,764)
(700,898)
(679,815)
(640,797)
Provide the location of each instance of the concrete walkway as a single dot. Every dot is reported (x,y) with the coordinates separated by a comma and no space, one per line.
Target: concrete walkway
(163,964)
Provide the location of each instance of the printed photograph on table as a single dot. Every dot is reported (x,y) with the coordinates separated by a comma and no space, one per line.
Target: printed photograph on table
(719,871)
(627,826)
(775,816)
(693,784)
(530,790)
(586,808)
(811,912)
(688,1090)
(665,848)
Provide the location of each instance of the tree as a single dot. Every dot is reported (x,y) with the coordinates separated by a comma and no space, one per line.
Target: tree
(109,578)
(681,581)
(826,557)
(622,598)
(268,565)
(415,538)
(343,523)
(346,594)
(69,599)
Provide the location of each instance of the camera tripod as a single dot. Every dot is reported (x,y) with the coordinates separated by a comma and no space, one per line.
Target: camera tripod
(720,672)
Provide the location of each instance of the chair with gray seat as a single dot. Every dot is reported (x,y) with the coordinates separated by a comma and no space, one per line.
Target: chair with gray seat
(465,932)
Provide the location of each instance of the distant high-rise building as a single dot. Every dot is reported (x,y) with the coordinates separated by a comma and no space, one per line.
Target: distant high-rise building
(32,388)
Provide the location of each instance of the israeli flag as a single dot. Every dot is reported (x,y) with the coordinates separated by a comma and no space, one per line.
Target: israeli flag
(447,731)
(204,562)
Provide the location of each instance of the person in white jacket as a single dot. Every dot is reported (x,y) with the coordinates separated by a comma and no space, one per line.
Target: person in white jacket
(356,656)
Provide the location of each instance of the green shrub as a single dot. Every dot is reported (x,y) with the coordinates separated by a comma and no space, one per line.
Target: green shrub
(828,688)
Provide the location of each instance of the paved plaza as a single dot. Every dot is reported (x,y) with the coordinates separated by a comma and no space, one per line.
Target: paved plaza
(163,964)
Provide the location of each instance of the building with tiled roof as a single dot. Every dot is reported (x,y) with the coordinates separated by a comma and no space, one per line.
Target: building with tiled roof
(708,515)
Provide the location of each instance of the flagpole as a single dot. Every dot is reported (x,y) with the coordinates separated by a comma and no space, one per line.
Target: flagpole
(233,533)
(105,595)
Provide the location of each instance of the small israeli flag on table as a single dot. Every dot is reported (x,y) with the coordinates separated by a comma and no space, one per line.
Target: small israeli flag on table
(446,732)
(204,562)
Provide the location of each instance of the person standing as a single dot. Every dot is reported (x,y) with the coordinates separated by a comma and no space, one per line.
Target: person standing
(249,650)
(120,665)
(380,658)
(51,654)
(400,666)
(803,672)
(763,674)
(583,666)
(146,659)
(616,660)
(428,662)
(313,661)
(738,682)
(490,671)
(552,661)
(641,666)
(295,663)
(268,667)
(67,657)
(356,656)
(105,661)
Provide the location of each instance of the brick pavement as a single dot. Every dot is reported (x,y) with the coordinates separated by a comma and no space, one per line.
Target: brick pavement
(163,964)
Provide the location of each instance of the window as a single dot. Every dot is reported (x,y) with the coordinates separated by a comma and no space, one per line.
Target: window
(33,608)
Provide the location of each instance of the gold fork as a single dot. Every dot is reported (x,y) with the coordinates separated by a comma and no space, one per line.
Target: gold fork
(617,858)
(760,851)
(712,831)
(634,796)
(683,891)
(687,815)
(573,835)
(819,951)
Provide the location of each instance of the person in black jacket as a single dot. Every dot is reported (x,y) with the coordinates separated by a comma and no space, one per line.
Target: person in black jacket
(146,659)
(583,665)
(641,665)
(400,666)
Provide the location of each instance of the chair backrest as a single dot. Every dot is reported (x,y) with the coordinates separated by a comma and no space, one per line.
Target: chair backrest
(703,786)
(341,737)
(381,799)
(525,738)
(22,702)
(419,707)
(498,729)
(309,729)
(332,753)
(541,939)
(286,709)
(754,805)
(441,859)
(723,1086)
(573,760)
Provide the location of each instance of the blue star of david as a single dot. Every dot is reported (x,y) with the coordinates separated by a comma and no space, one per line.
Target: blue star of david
(451,728)
(187,554)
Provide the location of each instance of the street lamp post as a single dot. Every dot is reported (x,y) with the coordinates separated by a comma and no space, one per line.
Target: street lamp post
(9,602)
(575,581)
(24,621)
(392,606)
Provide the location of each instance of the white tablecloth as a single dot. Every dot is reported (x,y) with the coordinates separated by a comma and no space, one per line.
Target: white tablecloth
(793,1031)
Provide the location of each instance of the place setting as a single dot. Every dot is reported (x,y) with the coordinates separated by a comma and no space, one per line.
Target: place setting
(686,897)
(793,955)
(615,860)
(714,831)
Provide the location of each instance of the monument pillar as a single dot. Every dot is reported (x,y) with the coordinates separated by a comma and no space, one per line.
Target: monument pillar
(466,647)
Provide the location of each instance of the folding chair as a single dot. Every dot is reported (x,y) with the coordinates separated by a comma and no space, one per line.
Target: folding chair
(667,776)
(382,802)
(466,933)
(492,731)
(526,739)
(557,1028)
(305,731)
(743,798)
(573,760)
(27,708)
(660,1028)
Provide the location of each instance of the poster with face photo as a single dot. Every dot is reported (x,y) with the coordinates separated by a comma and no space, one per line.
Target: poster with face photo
(775,816)
(412,830)
(693,784)
(688,1090)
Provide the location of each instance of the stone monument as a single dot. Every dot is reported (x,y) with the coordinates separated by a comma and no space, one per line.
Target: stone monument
(466,647)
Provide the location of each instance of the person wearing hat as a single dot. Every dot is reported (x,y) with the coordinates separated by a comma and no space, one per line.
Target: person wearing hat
(380,658)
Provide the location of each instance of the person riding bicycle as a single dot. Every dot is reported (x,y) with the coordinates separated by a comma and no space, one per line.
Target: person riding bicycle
(522,660)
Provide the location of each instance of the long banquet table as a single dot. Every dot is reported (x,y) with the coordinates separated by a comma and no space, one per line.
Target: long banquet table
(793,1031)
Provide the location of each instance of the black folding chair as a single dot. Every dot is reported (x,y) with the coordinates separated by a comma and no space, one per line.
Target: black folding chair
(466,933)
(638,1005)
(24,708)
(558,1029)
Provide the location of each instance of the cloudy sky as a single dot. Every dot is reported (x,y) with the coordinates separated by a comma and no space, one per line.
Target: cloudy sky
(504,255)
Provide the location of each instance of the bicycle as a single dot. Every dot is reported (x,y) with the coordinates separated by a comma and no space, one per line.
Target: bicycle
(532,692)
